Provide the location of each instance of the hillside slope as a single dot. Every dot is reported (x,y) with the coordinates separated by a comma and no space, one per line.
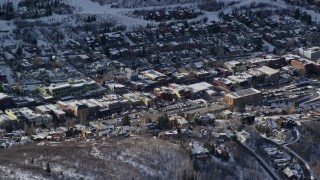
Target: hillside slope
(131,158)
(104,159)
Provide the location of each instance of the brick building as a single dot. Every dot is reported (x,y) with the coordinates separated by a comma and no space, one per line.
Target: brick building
(307,66)
(248,96)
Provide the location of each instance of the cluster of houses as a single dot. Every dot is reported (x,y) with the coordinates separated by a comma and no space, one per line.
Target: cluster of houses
(203,78)
(162,14)
(284,162)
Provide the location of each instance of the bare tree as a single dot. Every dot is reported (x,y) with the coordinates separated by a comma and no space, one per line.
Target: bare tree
(69,123)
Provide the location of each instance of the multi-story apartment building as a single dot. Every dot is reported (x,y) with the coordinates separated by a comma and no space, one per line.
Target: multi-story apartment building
(71,88)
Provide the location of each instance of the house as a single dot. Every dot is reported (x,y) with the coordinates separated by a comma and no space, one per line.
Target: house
(197,150)
(291,173)
(26,65)
(227,114)
(84,57)
(197,65)
(40,136)
(269,37)
(206,118)
(245,132)
(114,38)
(221,149)
(180,122)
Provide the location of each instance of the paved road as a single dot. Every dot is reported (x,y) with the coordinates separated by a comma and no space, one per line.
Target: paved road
(308,173)
(263,163)
(296,139)
(311,100)
(302,160)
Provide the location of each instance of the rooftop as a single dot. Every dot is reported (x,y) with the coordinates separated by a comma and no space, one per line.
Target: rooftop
(267,70)
(240,77)
(201,86)
(152,74)
(2,96)
(243,93)
(312,49)
(225,80)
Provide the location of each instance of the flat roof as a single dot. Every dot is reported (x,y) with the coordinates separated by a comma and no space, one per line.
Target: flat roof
(201,86)
(268,70)
(240,77)
(152,73)
(117,85)
(243,93)
(224,80)
(311,49)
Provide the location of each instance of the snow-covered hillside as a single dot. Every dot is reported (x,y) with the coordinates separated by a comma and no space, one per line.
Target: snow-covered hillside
(131,158)
(144,3)
(104,9)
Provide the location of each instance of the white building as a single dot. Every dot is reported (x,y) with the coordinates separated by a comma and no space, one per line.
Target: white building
(200,87)
(235,66)
(311,53)
(37,119)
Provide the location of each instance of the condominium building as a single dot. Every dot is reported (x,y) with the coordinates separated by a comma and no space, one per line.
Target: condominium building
(73,87)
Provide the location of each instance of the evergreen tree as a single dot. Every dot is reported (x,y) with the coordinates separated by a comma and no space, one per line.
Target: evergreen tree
(125,121)
(241,106)
(19,51)
(297,13)
(163,122)
(179,130)
(48,11)
(48,169)
(55,3)
(103,40)
(34,42)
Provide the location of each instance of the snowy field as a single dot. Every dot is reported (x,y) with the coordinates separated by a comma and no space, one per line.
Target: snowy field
(121,15)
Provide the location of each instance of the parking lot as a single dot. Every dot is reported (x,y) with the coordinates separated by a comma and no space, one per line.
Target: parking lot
(289,95)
